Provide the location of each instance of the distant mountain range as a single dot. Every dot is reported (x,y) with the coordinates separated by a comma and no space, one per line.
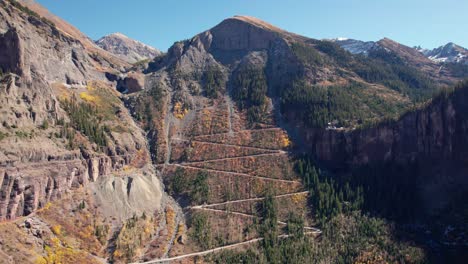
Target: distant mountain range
(448,53)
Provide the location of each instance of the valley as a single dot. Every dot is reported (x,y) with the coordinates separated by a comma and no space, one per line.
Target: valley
(245,143)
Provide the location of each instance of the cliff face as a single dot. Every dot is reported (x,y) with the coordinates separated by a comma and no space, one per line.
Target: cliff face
(430,141)
(71,156)
(44,154)
(52,56)
(435,132)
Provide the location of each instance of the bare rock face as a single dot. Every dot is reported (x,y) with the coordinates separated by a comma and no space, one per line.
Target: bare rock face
(132,82)
(42,65)
(11,52)
(126,48)
(436,132)
(52,55)
(243,33)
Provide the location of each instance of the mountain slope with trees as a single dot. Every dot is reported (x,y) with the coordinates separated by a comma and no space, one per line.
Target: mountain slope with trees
(281,147)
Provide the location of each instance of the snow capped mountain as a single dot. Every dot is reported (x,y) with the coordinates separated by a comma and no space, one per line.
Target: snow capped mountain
(444,54)
(127,48)
(355,46)
(450,52)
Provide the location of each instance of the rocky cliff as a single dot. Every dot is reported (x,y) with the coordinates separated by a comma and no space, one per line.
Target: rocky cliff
(37,165)
(67,141)
(48,151)
(434,132)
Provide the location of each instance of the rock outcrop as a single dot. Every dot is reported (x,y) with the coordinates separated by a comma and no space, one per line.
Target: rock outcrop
(11,57)
(131,82)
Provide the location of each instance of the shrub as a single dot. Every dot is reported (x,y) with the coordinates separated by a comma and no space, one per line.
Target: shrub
(45,124)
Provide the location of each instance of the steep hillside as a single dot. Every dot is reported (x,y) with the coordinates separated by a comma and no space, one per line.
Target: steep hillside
(127,49)
(75,169)
(106,59)
(211,103)
(262,68)
(412,169)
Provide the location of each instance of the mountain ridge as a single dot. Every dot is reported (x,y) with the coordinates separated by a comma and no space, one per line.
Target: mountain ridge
(448,53)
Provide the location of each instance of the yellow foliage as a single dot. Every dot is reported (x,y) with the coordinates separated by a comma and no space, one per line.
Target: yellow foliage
(285,141)
(180,231)
(58,254)
(136,233)
(90,86)
(206,118)
(118,253)
(62,91)
(170,218)
(57,230)
(55,242)
(89,98)
(180,111)
(47,206)
(40,260)
(127,168)
(299,198)
(170,221)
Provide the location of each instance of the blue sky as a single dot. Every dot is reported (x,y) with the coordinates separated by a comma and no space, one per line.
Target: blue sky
(429,23)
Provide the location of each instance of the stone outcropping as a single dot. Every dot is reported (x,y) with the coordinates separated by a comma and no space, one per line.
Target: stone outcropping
(11,56)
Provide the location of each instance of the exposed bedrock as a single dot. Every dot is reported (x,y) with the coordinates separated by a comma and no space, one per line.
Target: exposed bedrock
(435,132)
(28,186)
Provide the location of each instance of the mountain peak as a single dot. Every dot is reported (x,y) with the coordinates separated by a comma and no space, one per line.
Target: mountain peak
(117,34)
(126,48)
(254,22)
(355,46)
(389,41)
(449,52)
